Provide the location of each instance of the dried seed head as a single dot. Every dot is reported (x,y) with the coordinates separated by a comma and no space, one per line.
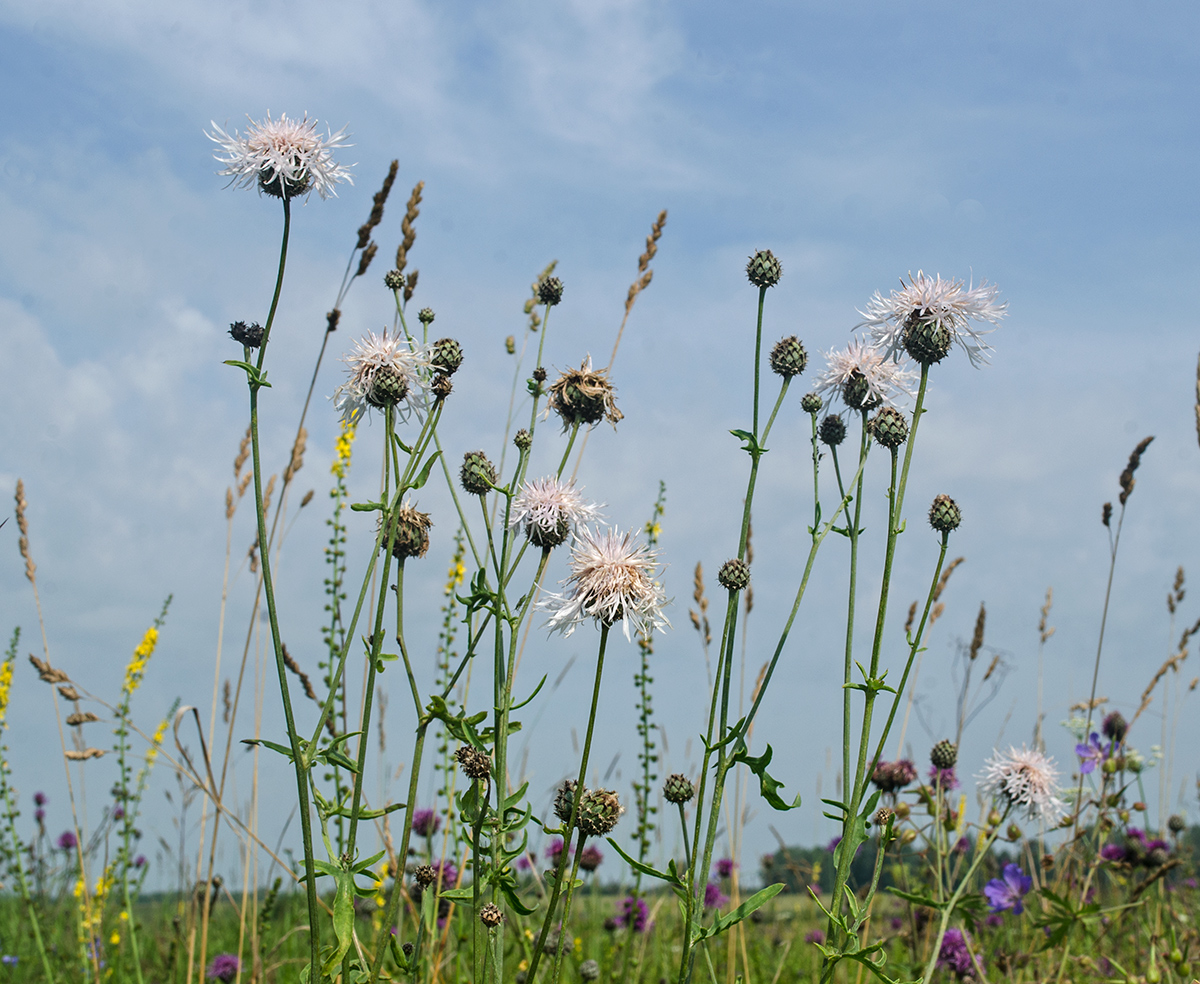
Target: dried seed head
(763,269)
(523,440)
(944,754)
(599,811)
(250,335)
(583,396)
(944,514)
(441,387)
(425,316)
(789,357)
(446,354)
(734,575)
(811,403)
(678,789)
(478,474)
(564,799)
(889,427)
(425,875)
(832,430)
(80,718)
(410,532)
(883,816)
(491,916)
(475,764)
(539,374)
(549,291)
(589,971)
(394,280)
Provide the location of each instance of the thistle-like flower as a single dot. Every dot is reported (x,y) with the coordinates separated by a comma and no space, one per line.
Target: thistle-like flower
(583,396)
(285,158)
(864,377)
(1025,778)
(382,371)
(612,579)
(549,510)
(928,313)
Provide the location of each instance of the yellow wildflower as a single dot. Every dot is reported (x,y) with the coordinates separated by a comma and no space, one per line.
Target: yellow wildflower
(79,887)
(115,938)
(124,916)
(523,965)
(342,450)
(6,674)
(653,530)
(141,656)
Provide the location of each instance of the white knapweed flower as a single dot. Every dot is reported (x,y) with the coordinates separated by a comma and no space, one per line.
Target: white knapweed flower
(286,158)
(948,303)
(1025,779)
(612,577)
(862,364)
(549,510)
(382,371)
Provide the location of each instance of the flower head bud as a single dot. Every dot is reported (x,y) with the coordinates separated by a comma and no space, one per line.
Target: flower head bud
(583,396)
(446,355)
(425,875)
(426,316)
(789,357)
(763,269)
(1013,833)
(250,335)
(523,440)
(889,427)
(491,916)
(550,291)
(564,799)
(927,341)
(811,403)
(944,514)
(856,393)
(994,817)
(903,810)
(734,575)
(832,430)
(394,280)
(908,836)
(441,387)
(478,474)
(1176,824)
(409,533)
(510,345)
(475,764)
(589,971)
(883,816)
(388,387)
(1115,727)
(944,754)
(678,788)
(539,374)
(599,811)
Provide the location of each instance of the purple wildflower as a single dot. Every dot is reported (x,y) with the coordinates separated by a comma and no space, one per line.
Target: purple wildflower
(590,858)
(1091,753)
(39,799)
(554,850)
(945,777)
(523,863)
(224,967)
(139,861)
(118,814)
(448,871)
(1114,727)
(956,953)
(39,815)
(66,840)
(634,914)
(962,845)
(725,867)
(1113,852)
(814,936)
(1007,892)
(9,961)
(897,924)
(426,823)
(995,920)
(714,898)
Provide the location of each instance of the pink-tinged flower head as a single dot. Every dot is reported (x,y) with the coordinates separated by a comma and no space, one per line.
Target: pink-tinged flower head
(948,304)
(381,371)
(549,510)
(426,823)
(1026,779)
(612,579)
(224,967)
(955,953)
(714,898)
(285,158)
(864,377)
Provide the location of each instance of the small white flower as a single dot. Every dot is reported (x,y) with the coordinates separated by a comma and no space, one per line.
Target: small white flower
(389,355)
(284,157)
(612,577)
(549,510)
(1027,779)
(886,380)
(931,299)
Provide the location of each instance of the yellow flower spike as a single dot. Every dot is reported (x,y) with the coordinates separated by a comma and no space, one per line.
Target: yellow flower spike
(962,813)
(6,675)
(342,451)
(115,938)
(141,656)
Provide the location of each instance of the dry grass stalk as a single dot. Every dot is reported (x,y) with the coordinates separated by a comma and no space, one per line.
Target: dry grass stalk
(412,210)
(76,755)
(700,620)
(297,460)
(1176,594)
(645,274)
(226,701)
(1088,705)
(410,285)
(749,559)
(1044,632)
(1126,479)
(242,455)
(908,622)
(308,497)
(80,718)
(939,608)
(230,504)
(23,526)
(977,638)
(244,484)
(305,682)
(380,199)
(364,261)
(991,667)
(267,494)
(47,673)
(69,693)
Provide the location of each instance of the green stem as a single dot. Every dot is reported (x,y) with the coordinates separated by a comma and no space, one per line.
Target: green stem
(864,446)
(566,919)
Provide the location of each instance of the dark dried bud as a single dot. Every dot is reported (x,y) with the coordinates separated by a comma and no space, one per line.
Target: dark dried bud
(408,949)
(491,916)
(388,387)
(927,341)
(889,427)
(394,280)
(811,403)
(678,789)
(550,291)
(475,764)
(763,269)
(734,575)
(332,318)
(425,316)
(1176,824)
(478,474)
(410,533)
(250,335)
(599,811)
(944,754)
(1115,727)
(788,357)
(441,386)
(425,875)
(1106,514)
(832,430)
(447,354)
(539,374)
(564,799)
(523,440)
(944,514)
(883,816)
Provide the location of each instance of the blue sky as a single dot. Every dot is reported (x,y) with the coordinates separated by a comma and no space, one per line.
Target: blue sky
(1047,147)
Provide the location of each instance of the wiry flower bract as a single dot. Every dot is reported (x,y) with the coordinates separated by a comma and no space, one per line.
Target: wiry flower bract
(949,304)
(884,378)
(375,355)
(285,158)
(549,509)
(612,578)
(1026,779)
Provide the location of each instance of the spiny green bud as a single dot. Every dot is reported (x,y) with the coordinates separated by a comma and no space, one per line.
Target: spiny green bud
(832,430)
(856,392)
(425,316)
(944,754)
(478,474)
(550,291)
(447,355)
(388,387)
(678,788)
(944,514)
(564,799)
(811,403)
(394,280)
(599,811)
(889,428)
(523,440)
(926,341)
(1176,824)
(734,575)
(763,269)
(789,357)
